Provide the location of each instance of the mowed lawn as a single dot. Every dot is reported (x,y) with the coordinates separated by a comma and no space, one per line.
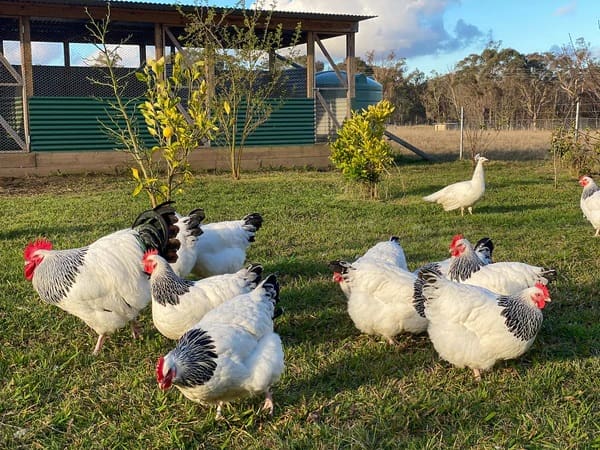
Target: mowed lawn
(341,389)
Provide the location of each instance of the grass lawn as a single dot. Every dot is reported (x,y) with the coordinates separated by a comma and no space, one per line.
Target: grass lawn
(341,389)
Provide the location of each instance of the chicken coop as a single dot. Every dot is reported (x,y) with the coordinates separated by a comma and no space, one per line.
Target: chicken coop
(50,108)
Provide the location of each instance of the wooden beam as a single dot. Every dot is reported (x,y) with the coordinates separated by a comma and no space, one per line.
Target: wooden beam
(159,41)
(27,74)
(310,65)
(331,62)
(350,71)
(327,109)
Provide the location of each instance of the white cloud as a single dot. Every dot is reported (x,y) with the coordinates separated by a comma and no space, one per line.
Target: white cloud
(567,9)
(410,28)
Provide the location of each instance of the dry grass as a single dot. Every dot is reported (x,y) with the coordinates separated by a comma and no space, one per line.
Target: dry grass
(505,145)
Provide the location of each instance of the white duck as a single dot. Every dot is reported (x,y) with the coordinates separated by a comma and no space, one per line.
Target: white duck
(463,194)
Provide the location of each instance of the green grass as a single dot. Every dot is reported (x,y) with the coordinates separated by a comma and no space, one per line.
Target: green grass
(341,389)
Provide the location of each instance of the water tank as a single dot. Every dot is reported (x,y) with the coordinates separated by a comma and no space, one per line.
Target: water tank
(368,91)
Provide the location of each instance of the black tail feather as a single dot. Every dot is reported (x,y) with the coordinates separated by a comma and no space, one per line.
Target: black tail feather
(158,230)
(549,273)
(395,239)
(252,223)
(271,284)
(196,217)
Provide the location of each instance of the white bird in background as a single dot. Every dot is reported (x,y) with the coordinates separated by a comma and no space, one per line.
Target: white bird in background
(463,194)
(590,202)
(231,352)
(474,327)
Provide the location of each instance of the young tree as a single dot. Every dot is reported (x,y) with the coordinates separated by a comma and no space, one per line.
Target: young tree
(248,83)
(161,167)
(360,150)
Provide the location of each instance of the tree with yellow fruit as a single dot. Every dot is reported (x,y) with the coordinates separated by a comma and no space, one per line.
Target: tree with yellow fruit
(174,112)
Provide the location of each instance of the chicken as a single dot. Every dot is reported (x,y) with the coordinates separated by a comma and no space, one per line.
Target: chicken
(389,251)
(501,277)
(188,236)
(463,194)
(220,249)
(484,249)
(231,352)
(380,297)
(470,326)
(178,303)
(103,283)
(590,202)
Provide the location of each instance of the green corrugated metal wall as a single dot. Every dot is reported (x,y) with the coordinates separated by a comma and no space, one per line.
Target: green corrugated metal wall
(71,123)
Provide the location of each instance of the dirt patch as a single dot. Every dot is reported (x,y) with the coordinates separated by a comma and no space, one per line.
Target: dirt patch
(10,186)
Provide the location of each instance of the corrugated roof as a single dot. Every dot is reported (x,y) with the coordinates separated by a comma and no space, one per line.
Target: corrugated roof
(169,7)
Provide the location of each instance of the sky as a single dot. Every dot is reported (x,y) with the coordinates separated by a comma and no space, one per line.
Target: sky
(436,34)
(432,35)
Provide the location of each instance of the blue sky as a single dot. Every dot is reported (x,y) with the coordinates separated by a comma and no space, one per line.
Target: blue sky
(436,34)
(430,34)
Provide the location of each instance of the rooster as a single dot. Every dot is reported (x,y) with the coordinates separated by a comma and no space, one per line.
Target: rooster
(103,283)
(221,248)
(231,352)
(389,251)
(463,194)
(501,277)
(178,303)
(590,202)
(380,297)
(474,327)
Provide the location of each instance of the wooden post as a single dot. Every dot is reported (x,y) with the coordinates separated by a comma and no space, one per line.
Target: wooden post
(350,71)
(310,65)
(66,54)
(26,73)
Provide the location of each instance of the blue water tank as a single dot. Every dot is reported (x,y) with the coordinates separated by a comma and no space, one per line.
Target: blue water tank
(368,91)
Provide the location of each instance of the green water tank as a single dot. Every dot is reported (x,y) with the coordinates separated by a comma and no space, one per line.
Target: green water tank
(368,91)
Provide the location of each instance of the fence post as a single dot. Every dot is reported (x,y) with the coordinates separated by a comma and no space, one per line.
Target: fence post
(577,121)
(462,117)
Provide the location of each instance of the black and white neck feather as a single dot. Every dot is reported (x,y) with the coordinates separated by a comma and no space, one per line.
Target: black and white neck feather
(195,358)
(167,287)
(522,319)
(58,272)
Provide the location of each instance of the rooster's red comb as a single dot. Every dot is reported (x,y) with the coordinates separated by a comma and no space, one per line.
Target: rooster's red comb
(149,253)
(39,244)
(455,239)
(543,288)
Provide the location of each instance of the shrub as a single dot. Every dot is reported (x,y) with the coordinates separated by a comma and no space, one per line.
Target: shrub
(360,151)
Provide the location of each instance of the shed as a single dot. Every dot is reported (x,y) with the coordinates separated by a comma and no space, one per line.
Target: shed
(33,94)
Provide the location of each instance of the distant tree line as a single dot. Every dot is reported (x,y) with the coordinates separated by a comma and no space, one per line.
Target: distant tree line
(499,88)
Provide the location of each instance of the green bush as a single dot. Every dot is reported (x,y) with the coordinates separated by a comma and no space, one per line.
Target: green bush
(360,151)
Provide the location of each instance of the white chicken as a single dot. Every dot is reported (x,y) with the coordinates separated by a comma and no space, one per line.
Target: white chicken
(389,251)
(463,194)
(179,303)
(232,352)
(380,297)
(484,249)
(590,202)
(470,326)
(505,277)
(187,236)
(220,249)
(103,283)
